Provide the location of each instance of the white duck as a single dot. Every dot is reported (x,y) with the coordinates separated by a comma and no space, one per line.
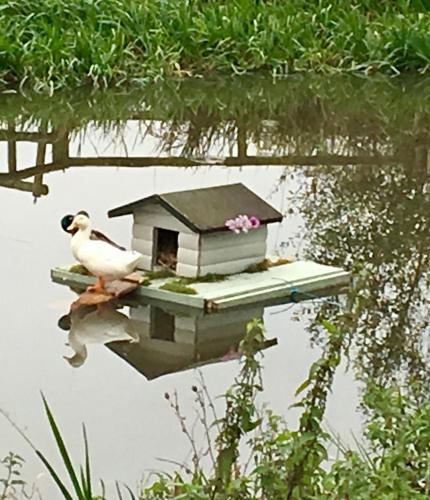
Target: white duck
(101,258)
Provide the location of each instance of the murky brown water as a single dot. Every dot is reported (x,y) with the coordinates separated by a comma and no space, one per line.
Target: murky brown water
(345,161)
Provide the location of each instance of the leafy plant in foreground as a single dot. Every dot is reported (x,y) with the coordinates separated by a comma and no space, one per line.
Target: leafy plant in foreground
(80,478)
(288,464)
(285,464)
(397,462)
(13,464)
(81,481)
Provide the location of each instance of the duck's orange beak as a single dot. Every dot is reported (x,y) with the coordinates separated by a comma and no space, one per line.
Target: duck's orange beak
(72,228)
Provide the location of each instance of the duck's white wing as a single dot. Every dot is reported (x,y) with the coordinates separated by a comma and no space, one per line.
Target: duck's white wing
(98,236)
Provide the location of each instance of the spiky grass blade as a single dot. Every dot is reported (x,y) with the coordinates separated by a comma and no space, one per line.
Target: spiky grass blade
(132,495)
(87,475)
(83,483)
(118,490)
(63,451)
(54,476)
(103,487)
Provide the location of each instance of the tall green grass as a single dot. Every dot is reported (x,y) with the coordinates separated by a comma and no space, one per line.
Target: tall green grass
(81,482)
(76,484)
(51,44)
(80,479)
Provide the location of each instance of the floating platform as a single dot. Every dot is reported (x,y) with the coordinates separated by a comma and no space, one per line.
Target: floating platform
(279,283)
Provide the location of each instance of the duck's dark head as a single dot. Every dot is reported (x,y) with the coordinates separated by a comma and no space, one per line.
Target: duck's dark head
(66,222)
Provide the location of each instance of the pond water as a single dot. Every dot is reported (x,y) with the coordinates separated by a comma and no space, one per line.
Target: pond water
(346,162)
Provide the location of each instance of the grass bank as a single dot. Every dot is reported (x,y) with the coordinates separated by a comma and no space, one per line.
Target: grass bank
(47,44)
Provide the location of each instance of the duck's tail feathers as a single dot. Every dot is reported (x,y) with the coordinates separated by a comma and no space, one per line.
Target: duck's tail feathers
(134,259)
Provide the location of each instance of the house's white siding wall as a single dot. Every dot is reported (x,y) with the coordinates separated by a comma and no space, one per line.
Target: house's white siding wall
(189,241)
(188,255)
(226,253)
(219,255)
(230,267)
(157,216)
(143,240)
(228,240)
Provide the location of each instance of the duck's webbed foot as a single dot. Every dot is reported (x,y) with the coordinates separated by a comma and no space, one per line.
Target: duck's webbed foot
(98,287)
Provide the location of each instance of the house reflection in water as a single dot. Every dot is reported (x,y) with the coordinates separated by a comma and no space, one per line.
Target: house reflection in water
(171,341)
(157,339)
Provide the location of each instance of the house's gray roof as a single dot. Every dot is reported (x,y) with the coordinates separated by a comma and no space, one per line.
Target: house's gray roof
(206,210)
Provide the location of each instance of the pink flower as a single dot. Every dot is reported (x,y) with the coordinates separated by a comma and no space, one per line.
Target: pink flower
(232,224)
(255,222)
(243,223)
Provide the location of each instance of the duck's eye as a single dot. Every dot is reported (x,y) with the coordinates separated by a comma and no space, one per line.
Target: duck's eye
(66,221)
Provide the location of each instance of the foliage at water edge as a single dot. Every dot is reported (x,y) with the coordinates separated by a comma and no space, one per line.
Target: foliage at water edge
(51,45)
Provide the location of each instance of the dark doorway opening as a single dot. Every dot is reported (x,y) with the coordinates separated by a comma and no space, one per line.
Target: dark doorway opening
(162,325)
(166,248)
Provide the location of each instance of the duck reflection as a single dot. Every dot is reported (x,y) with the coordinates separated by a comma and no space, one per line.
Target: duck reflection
(99,324)
(156,340)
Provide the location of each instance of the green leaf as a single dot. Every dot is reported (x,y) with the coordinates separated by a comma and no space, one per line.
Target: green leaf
(84,487)
(87,484)
(55,477)
(248,425)
(118,490)
(225,461)
(63,451)
(103,487)
(329,327)
(302,386)
(132,495)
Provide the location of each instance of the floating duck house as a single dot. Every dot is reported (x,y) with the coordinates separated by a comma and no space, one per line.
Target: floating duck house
(185,231)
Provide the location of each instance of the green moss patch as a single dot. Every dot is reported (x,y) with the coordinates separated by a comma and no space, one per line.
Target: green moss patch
(157,275)
(79,269)
(178,286)
(266,264)
(207,278)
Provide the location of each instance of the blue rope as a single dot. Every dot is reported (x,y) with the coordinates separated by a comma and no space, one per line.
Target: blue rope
(296,294)
(293,293)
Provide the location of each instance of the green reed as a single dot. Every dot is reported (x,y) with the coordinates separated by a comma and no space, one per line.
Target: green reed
(80,478)
(48,44)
